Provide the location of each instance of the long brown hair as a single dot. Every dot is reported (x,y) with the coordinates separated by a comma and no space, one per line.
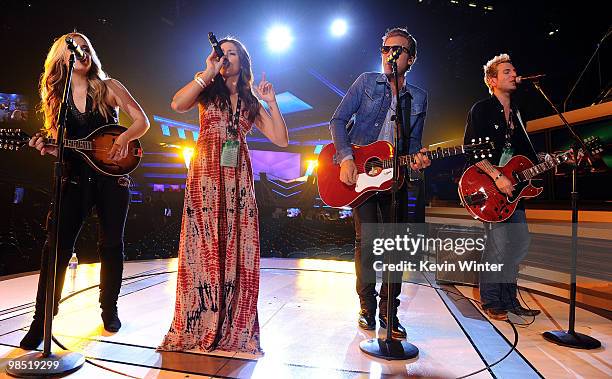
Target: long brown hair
(52,81)
(218,93)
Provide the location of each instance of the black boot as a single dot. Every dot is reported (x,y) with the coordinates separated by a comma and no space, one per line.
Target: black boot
(34,336)
(398,330)
(367,321)
(111,321)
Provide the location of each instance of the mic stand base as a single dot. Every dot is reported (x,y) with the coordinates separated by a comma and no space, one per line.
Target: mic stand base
(389,349)
(36,365)
(575,340)
(560,337)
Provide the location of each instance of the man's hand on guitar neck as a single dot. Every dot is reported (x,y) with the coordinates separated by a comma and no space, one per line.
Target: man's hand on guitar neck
(348,172)
(419,161)
(38,142)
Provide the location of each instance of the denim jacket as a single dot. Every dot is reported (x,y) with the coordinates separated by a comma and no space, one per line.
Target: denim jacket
(368,100)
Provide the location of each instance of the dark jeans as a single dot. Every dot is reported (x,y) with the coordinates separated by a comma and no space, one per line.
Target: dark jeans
(79,196)
(377,209)
(508,244)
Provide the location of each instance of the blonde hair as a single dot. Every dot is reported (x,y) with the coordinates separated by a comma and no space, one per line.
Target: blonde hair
(52,81)
(490,68)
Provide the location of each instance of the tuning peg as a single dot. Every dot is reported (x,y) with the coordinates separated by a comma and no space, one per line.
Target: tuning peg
(486,138)
(490,155)
(473,140)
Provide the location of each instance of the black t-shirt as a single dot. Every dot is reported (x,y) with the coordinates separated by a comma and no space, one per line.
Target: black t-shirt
(487,119)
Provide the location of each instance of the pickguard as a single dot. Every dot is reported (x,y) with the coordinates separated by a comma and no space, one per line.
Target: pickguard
(365,181)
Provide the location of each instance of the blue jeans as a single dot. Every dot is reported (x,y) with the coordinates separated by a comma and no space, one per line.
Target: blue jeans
(508,244)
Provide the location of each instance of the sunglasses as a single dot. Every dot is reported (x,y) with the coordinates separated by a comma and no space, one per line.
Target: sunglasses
(385,49)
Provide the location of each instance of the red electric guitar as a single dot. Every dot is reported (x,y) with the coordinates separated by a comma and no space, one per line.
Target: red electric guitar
(375,170)
(483,200)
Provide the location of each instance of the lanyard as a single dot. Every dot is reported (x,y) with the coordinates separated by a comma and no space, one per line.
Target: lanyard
(234,119)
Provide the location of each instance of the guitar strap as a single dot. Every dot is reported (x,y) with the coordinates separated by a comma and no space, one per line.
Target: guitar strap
(518,115)
(407,127)
(407,131)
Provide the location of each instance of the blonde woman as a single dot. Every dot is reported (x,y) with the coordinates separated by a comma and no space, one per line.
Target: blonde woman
(94,100)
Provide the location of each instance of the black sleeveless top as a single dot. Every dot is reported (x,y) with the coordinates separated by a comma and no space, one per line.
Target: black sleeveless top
(80,125)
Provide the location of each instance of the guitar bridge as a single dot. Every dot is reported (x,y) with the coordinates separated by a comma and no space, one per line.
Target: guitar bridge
(477,198)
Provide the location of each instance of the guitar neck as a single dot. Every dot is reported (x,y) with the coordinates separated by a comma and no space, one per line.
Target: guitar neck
(433,154)
(73,144)
(542,167)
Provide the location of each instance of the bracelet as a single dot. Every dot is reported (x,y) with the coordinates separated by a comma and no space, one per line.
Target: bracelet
(200,82)
(498,176)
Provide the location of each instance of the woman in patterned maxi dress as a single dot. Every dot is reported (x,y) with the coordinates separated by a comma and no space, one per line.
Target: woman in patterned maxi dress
(218,268)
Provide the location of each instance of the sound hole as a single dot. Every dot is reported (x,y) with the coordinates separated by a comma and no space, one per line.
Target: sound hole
(373,167)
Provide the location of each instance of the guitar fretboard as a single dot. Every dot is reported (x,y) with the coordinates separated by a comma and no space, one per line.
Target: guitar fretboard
(541,167)
(433,154)
(74,144)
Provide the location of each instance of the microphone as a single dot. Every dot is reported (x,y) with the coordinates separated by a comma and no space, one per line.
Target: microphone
(530,78)
(394,55)
(215,44)
(76,49)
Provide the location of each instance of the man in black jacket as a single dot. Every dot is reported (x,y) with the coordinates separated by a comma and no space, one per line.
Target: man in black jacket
(508,242)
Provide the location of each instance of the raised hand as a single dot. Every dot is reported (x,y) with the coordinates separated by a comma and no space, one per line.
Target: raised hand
(265,90)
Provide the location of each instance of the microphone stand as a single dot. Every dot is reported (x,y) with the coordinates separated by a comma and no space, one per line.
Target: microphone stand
(571,338)
(390,348)
(585,68)
(47,363)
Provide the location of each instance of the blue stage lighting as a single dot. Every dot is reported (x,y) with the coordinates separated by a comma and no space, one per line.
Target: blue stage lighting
(279,38)
(338,27)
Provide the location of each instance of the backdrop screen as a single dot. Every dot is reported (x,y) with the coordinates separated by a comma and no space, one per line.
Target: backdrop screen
(276,163)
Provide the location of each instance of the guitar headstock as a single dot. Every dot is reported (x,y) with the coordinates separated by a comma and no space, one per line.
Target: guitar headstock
(594,145)
(480,148)
(13,139)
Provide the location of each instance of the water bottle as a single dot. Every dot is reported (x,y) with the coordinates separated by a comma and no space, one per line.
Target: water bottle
(72,267)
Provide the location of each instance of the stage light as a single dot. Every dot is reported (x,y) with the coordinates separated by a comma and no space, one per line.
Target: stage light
(338,27)
(311,164)
(187,154)
(279,38)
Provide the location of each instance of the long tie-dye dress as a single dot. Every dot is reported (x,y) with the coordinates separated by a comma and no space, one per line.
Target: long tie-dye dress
(218,262)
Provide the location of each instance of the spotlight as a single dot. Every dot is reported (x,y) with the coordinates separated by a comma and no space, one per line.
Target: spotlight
(311,164)
(187,154)
(338,27)
(279,38)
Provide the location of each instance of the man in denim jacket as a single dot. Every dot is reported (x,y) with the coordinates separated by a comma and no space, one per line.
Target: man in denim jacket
(371,103)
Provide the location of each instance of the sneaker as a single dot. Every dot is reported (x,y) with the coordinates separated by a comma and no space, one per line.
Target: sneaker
(520,311)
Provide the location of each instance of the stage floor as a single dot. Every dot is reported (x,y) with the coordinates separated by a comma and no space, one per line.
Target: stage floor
(307,312)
